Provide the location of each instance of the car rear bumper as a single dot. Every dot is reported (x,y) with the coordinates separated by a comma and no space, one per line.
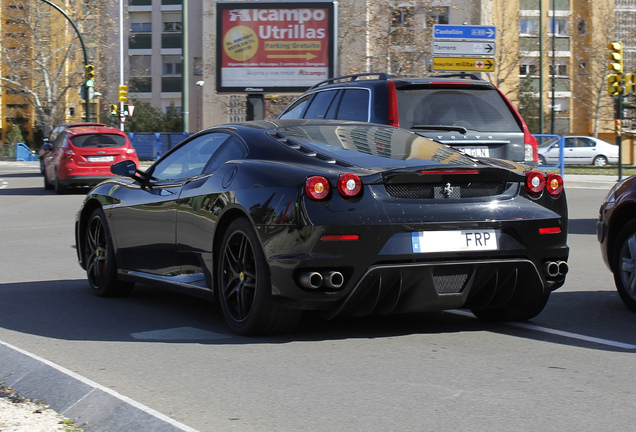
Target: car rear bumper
(84,180)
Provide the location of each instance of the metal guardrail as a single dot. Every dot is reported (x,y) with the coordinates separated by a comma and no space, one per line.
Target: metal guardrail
(561,139)
(24,153)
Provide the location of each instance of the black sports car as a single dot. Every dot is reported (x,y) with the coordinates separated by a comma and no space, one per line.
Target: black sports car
(278,217)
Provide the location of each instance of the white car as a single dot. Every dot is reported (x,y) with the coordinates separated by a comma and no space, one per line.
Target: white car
(579,150)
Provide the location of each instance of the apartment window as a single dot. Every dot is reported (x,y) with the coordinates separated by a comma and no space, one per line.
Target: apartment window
(581,27)
(172,22)
(561,70)
(401,17)
(438,15)
(528,69)
(141,22)
(197,66)
(528,26)
(141,27)
(140,65)
(582,68)
(558,27)
(172,66)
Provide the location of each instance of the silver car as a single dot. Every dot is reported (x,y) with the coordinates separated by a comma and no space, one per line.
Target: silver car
(579,150)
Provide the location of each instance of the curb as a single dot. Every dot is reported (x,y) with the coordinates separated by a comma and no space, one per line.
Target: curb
(92,406)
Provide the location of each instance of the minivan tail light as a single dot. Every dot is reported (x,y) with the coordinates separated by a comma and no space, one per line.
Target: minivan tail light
(393,116)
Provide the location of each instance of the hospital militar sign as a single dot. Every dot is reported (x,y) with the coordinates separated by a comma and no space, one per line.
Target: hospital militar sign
(265,47)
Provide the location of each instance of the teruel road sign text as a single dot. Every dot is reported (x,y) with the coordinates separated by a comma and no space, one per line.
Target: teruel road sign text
(463,64)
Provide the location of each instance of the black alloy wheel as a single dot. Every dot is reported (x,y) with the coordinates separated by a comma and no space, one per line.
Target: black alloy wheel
(245,287)
(99,258)
(624,265)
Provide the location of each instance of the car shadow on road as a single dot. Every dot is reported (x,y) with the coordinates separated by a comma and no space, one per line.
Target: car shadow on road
(67,310)
(582,226)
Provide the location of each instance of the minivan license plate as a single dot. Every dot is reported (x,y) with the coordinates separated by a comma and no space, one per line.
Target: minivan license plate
(454,241)
(475,151)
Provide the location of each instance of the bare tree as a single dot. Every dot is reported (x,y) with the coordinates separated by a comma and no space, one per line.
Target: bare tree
(42,59)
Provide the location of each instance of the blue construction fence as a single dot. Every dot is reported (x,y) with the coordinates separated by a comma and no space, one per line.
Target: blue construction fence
(149,145)
(24,153)
(152,145)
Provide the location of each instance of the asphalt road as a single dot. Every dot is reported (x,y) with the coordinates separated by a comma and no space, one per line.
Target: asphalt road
(571,368)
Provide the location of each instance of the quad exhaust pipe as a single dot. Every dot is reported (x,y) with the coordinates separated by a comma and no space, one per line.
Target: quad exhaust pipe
(555,268)
(314,280)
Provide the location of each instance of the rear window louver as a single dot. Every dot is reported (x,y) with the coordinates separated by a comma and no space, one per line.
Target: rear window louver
(309,152)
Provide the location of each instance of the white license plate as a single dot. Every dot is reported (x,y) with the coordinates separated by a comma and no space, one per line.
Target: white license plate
(454,241)
(475,151)
(101,158)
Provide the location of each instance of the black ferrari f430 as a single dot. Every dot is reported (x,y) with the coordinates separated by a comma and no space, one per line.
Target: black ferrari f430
(275,218)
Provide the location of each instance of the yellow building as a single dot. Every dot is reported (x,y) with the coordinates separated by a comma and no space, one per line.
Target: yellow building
(42,66)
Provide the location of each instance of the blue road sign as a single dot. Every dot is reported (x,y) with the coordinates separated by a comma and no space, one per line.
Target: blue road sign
(445,31)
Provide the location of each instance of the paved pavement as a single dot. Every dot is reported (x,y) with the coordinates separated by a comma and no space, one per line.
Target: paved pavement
(100,409)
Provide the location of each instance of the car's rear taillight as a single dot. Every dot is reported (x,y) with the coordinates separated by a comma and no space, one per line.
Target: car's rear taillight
(554,184)
(131,150)
(393,115)
(349,185)
(531,146)
(317,187)
(68,154)
(535,182)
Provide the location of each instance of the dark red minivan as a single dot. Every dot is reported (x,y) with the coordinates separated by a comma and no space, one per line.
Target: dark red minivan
(82,156)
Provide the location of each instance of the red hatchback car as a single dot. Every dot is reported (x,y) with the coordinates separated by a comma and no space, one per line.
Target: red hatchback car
(82,156)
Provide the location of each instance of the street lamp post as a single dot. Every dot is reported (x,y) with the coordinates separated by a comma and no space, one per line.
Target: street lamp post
(86,62)
(200,85)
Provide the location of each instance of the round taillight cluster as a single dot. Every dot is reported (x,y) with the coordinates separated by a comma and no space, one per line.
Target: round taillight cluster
(536,182)
(318,188)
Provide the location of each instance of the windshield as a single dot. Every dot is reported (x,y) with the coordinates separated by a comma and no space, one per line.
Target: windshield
(474,109)
(377,146)
(98,141)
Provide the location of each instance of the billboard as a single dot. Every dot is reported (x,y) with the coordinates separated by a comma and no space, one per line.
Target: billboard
(274,47)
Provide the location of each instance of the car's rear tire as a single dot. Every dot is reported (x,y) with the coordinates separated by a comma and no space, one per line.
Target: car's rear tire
(600,161)
(624,264)
(99,258)
(520,308)
(47,183)
(244,285)
(59,187)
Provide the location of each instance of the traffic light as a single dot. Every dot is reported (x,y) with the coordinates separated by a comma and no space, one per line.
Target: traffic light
(123,93)
(630,83)
(614,82)
(113,109)
(615,57)
(89,75)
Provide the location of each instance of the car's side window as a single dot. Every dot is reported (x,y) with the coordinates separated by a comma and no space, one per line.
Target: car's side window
(320,104)
(297,109)
(586,142)
(569,143)
(354,105)
(189,159)
(232,149)
(59,140)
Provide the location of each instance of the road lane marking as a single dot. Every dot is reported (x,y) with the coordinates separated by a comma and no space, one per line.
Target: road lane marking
(3,184)
(557,332)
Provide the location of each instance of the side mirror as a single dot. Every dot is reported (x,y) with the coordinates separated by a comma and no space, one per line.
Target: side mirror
(126,168)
